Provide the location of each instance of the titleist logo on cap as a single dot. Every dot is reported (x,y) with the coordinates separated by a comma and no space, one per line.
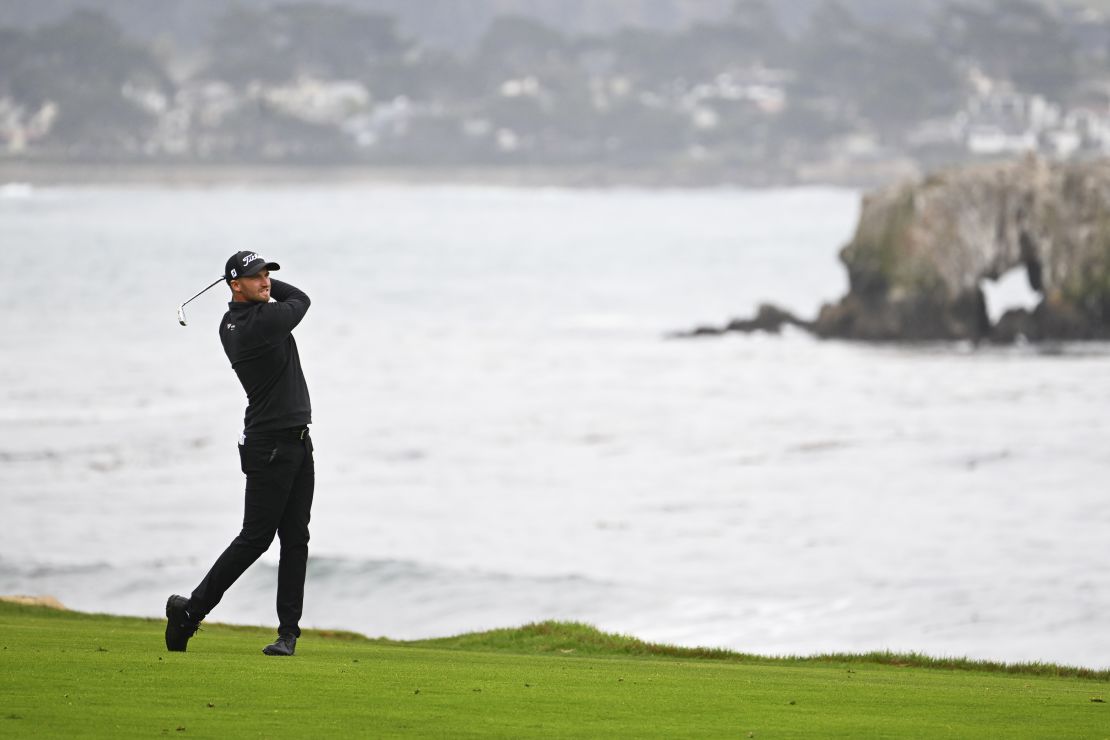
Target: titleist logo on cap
(244,264)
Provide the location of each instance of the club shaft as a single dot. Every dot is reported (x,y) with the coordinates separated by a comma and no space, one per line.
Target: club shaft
(218,280)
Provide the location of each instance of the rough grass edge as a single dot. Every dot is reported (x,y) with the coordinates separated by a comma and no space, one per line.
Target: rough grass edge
(578,638)
(573,637)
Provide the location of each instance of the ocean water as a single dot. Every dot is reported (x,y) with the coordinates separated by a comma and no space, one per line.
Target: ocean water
(505,434)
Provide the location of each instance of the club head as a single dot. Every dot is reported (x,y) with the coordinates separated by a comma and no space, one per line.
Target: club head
(181,315)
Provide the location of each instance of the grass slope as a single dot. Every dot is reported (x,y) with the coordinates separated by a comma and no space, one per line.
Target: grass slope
(73,674)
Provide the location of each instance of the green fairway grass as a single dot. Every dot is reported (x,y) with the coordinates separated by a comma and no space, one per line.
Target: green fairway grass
(72,674)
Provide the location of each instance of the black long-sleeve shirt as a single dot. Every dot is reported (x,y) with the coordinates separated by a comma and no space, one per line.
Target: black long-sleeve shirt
(258,340)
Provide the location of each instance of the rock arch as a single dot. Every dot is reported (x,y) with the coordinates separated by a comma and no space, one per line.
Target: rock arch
(921,250)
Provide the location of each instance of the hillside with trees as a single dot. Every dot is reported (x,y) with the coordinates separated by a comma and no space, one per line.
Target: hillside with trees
(752,95)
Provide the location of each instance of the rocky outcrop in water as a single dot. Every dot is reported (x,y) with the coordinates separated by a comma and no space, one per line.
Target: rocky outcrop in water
(768,318)
(922,250)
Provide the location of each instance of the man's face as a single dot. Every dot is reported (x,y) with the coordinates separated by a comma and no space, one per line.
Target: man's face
(255,288)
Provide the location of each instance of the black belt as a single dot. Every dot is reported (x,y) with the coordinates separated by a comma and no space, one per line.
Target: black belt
(290,433)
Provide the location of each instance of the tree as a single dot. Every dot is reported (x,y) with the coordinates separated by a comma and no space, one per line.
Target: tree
(82,64)
(302,39)
(886,78)
(1016,40)
(516,46)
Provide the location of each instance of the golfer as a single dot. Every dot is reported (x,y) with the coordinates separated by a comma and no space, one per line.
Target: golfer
(275,450)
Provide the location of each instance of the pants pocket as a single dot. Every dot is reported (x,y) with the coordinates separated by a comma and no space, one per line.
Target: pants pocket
(255,458)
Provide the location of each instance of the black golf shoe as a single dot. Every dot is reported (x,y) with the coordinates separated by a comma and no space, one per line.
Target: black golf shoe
(180,626)
(284,645)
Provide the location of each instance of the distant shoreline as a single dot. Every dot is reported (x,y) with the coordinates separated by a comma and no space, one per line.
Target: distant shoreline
(40,173)
(58,173)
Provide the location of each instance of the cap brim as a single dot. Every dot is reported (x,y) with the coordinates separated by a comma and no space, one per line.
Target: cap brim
(271,266)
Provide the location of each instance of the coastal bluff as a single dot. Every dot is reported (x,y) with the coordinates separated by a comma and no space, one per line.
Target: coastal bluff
(923,249)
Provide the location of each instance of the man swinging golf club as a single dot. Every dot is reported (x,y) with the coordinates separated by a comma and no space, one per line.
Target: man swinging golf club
(275,450)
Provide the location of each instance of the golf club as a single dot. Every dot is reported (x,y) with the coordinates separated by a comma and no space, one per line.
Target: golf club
(181,308)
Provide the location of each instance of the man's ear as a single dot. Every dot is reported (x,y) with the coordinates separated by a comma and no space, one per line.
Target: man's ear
(235,287)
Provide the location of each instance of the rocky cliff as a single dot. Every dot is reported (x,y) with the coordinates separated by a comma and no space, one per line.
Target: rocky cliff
(922,250)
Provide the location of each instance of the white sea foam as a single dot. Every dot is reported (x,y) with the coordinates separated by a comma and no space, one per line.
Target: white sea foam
(16,190)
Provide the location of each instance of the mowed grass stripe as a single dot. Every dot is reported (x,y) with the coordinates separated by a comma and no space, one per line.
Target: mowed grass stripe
(63,673)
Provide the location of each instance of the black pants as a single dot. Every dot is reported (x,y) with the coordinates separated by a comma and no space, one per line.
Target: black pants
(280,480)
